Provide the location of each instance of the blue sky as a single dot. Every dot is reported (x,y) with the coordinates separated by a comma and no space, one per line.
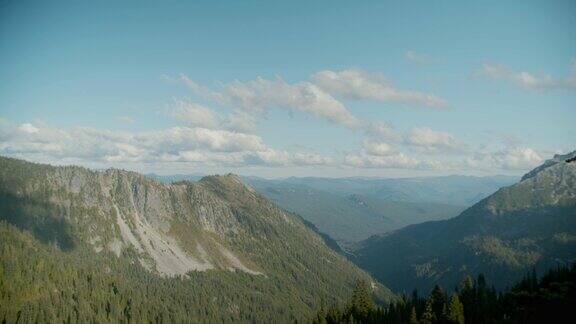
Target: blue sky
(270,88)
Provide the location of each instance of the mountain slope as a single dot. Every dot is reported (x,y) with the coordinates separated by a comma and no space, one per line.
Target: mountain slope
(352,209)
(253,261)
(349,219)
(529,224)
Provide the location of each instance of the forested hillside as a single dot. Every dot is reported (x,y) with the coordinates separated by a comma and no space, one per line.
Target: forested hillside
(115,245)
(529,224)
(350,219)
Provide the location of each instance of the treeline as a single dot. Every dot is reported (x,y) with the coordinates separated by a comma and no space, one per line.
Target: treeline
(549,299)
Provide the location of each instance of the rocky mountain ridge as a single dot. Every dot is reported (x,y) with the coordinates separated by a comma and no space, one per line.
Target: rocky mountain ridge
(252,260)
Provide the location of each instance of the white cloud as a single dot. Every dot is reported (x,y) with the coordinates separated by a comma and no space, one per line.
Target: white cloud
(417,58)
(194,114)
(393,161)
(431,141)
(254,98)
(239,121)
(258,96)
(222,148)
(528,80)
(28,128)
(372,147)
(380,130)
(508,158)
(285,158)
(176,144)
(358,84)
(125,119)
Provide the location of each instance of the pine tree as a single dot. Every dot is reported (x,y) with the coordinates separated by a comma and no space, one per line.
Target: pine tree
(467,283)
(438,300)
(454,310)
(413,318)
(468,298)
(428,315)
(361,304)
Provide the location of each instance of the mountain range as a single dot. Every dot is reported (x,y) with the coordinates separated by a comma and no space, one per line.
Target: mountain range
(528,225)
(116,242)
(349,210)
(101,246)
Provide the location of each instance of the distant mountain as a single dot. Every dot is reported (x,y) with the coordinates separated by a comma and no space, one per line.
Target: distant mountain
(453,190)
(529,224)
(352,209)
(91,246)
(352,218)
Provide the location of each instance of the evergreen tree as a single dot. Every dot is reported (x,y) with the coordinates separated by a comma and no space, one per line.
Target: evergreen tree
(413,318)
(437,300)
(361,303)
(454,310)
(468,298)
(428,315)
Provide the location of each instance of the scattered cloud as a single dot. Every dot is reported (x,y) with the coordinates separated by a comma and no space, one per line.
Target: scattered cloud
(361,85)
(239,121)
(418,58)
(260,95)
(376,148)
(285,158)
(28,128)
(380,130)
(431,141)
(392,161)
(508,158)
(252,99)
(194,114)
(125,119)
(218,147)
(211,137)
(41,142)
(528,80)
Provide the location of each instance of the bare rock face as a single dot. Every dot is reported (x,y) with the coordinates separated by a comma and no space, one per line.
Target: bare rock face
(171,228)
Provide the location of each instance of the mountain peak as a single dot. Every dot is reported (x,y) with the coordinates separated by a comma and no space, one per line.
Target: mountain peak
(558,159)
(549,185)
(228,185)
(527,225)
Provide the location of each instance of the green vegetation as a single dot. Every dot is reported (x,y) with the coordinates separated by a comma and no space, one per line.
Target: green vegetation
(64,257)
(43,284)
(530,224)
(349,219)
(532,300)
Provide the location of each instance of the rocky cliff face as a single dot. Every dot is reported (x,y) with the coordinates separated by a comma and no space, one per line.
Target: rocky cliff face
(170,229)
